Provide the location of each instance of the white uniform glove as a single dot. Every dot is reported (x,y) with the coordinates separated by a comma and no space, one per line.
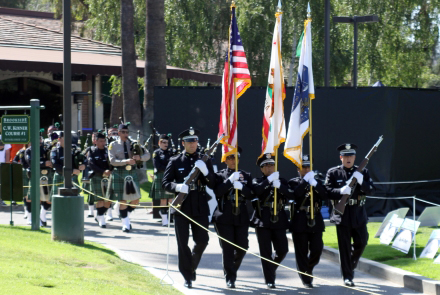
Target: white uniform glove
(345,190)
(309,175)
(313,182)
(234,177)
(238,185)
(273,176)
(202,167)
(276,183)
(182,188)
(359,176)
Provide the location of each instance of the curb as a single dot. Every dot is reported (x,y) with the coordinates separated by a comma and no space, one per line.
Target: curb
(393,274)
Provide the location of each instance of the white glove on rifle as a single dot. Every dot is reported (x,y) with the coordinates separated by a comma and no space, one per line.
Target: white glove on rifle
(182,188)
(276,183)
(313,182)
(202,167)
(309,175)
(345,190)
(273,176)
(359,176)
(234,177)
(238,185)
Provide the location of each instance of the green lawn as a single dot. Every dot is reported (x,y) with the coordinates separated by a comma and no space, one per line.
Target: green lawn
(30,263)
(387,255)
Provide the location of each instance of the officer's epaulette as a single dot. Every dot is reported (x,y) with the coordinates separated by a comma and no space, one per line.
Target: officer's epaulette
(175,157)
(334,168)
(110,146)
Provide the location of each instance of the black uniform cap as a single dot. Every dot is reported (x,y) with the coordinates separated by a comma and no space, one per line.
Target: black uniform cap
(190,135)
(306,160)
(164,136)
(265,159)
(347,149)
(123,126)
(99,135)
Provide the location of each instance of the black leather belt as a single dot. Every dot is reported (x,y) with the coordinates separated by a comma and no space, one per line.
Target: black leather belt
(232,198)
(307,208)
(193,187)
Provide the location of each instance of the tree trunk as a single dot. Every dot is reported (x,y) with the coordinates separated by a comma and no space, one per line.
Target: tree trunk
(116,110)
(130,93)
(155,57)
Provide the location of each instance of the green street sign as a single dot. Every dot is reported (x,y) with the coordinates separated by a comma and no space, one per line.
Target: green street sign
(15,129)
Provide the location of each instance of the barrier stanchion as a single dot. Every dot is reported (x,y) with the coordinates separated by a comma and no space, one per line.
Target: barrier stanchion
(162,282)
(414,228)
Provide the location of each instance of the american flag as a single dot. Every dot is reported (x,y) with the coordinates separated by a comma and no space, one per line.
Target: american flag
(236,80)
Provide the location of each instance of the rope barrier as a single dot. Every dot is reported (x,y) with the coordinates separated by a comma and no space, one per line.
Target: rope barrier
(403,182)
(108,200)
(256,255)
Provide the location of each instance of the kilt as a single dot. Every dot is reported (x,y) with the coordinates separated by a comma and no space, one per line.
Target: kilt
(58,179)
(95,188)
(25,182)
(49,176)
(117,180)
(157,192)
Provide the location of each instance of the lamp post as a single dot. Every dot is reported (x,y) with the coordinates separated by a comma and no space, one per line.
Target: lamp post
(355,20)
(78,98)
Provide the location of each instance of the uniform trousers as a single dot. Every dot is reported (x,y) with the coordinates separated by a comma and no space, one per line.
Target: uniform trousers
(349,253)
(266,238)
(308,250)
(232,256)
(189,260)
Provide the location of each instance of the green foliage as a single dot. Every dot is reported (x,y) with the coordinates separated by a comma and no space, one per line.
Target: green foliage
(399,50)
(20,4)
(387,255)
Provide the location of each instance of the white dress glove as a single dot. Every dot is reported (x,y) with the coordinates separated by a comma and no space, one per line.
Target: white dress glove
(273,176)
(202,167)
(182,188)
(345,190)
(234,177)
(313,182)
(359,176)
(310,175)
(238,185)
(276,183)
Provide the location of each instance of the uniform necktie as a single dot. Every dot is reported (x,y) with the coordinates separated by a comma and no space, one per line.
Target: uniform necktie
(125,150)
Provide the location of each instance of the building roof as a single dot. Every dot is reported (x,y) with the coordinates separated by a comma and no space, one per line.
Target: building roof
(33,42)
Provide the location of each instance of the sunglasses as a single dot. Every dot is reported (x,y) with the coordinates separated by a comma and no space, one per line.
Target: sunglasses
(268,164)
(114,133)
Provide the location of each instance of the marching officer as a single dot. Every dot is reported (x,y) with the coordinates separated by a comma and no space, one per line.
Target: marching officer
(98,163)
(354,220)
(195,204)
(20,159)
(307,237)
(230,223)
(161,157)
(45,176)
(271,228)
(57,158)
(124,183)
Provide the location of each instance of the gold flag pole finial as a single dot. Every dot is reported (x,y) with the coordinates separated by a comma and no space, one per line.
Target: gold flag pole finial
(232,4)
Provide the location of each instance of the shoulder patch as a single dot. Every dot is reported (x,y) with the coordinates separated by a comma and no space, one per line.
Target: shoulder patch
(154,154)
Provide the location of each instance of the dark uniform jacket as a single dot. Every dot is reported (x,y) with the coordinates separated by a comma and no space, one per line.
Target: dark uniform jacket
(264,191)
(225,194)
(160,160)
(20,158)
(43,157)
(57,158)
(336,178)
(196,202)
(301,189)
(97,161)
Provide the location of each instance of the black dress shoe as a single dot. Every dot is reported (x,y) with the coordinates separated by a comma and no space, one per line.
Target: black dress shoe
(44,223)
(188,284)
(271,285)
(348,283)
(90,216)
(193,276)
(308,285)
(103,226)
(125,230)
(230,284)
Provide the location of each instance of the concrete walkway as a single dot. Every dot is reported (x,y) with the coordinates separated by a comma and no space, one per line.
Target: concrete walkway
(147,246)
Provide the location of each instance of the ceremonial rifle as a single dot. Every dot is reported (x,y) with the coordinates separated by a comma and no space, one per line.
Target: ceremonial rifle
(339,208)
(194,173)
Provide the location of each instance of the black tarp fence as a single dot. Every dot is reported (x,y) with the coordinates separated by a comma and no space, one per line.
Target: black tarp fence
(408,119)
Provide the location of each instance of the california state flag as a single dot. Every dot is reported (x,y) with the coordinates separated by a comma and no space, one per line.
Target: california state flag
(274,128)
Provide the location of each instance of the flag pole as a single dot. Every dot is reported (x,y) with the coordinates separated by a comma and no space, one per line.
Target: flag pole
(275,199)
(235,210)
(311,222)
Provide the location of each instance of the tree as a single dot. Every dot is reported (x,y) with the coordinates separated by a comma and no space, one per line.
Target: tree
(155,56)
(21,4)
(130,93)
